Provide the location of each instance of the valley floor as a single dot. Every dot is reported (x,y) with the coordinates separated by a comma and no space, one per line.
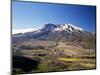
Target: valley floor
(59,58)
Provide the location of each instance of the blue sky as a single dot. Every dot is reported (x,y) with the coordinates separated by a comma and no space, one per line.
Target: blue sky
(35,15)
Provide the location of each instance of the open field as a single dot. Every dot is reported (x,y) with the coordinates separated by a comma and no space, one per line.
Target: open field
(34,56)
(63,58)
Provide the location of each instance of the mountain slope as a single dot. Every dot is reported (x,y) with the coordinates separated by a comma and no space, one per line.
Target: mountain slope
(56,48)
(58,33)
(51,30)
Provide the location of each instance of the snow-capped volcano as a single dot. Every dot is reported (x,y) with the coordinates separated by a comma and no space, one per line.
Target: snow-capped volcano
(49,27)
(60,27)
(54,32)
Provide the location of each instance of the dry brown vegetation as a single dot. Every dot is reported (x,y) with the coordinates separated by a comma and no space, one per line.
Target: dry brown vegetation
(54,56)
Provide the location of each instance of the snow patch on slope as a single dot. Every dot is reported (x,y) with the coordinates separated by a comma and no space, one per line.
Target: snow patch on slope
(78,28)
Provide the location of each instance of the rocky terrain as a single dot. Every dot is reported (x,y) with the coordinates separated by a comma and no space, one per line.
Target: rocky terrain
(61,47)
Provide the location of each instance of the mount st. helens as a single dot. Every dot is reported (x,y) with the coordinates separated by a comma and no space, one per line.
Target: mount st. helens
(57,47)
(52,32)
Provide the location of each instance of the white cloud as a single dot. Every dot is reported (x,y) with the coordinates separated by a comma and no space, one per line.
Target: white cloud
(15,31)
